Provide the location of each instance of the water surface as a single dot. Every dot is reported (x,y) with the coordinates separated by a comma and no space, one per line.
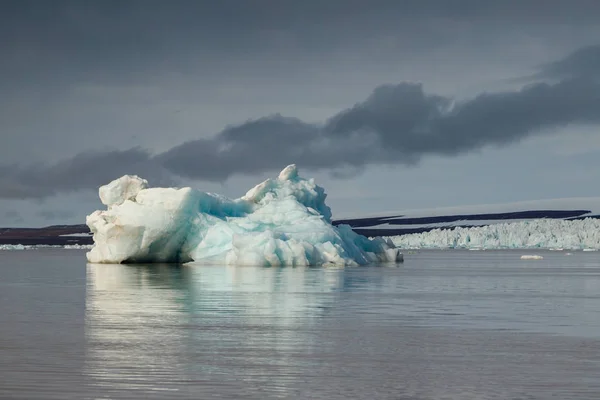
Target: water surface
(445,325)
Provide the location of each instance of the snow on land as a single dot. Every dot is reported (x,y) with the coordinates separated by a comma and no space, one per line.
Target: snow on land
(583,234)
(281,221)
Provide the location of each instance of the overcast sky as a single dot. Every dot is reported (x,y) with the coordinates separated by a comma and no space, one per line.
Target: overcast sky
(390,105)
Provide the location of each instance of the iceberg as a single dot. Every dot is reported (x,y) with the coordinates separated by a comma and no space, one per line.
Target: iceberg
(281,221)
(582,234)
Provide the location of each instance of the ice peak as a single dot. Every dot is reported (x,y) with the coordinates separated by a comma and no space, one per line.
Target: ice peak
(121,189)
(288,173)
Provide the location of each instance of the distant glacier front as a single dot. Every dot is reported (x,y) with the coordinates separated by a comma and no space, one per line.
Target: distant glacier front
(534,234)
(569,223)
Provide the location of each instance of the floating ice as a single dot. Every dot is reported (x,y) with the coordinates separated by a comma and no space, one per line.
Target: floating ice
(77,246)
(581,234)
(282,221)
(12,247)
(531,257)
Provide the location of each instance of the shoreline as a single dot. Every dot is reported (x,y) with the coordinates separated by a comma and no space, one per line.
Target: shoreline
(56,235)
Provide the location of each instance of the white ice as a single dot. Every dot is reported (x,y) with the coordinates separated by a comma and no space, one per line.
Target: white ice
(12,247)
(282,221)
(581,234)
(531,257)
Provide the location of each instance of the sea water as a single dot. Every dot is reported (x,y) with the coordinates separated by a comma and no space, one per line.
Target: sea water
(444,325)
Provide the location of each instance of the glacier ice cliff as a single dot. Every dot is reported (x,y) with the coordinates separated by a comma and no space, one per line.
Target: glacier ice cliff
(583,234)
(282,221)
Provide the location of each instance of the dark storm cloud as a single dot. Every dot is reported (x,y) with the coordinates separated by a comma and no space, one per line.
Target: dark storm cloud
(47,48)
(411,123)
(255,145)
(399,124)
(396,124)
(263,145)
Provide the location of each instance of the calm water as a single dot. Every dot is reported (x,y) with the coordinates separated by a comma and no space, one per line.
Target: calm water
(445,325)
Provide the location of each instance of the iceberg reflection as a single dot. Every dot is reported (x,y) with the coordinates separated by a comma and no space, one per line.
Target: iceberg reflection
(159,328)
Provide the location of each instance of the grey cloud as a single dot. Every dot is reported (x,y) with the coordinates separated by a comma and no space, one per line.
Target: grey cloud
(132,41)
(267,144)
(396,125)
(71,69)
(254,146)
(83,171)
(428,124)
(13,216)
(53,215)
(582,62)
